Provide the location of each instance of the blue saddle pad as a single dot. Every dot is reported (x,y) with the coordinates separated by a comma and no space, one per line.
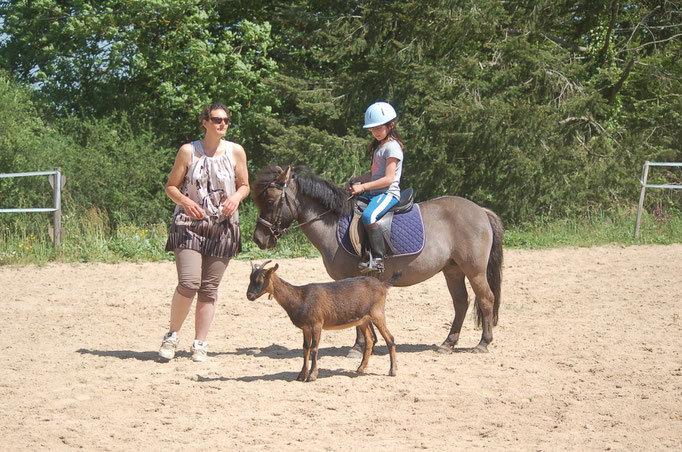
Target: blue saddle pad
(407,233)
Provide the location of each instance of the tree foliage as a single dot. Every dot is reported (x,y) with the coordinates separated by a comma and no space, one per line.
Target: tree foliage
(159,61)
(531,108)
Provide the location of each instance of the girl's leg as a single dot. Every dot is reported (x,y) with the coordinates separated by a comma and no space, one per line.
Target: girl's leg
(378,205)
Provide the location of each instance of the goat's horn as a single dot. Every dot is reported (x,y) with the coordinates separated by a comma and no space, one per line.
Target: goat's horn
(253,267)
(265,263)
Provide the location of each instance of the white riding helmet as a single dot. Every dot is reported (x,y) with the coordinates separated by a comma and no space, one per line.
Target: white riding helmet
(379,113)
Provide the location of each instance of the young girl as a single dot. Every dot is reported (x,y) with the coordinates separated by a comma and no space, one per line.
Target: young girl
(382,184)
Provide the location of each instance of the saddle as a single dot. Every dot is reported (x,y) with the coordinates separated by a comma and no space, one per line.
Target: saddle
(385,222)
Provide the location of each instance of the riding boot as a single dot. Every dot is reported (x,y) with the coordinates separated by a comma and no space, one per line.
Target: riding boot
(376,242)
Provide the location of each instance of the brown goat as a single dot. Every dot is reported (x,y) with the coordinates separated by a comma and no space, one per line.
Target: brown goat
(330,306)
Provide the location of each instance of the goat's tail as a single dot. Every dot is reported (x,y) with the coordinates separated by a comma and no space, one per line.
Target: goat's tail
(396,276)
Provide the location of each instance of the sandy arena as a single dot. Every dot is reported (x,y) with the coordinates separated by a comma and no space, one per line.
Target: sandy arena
(586,356)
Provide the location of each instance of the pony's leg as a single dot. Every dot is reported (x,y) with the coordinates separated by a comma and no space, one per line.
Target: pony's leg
(485,301)
(314,347)
(307,338)
(357,350)
(454,277)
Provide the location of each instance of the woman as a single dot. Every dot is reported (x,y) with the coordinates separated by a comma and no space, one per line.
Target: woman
(382,183)
(204,233)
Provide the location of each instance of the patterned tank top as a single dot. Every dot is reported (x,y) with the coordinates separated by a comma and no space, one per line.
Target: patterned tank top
(208,182)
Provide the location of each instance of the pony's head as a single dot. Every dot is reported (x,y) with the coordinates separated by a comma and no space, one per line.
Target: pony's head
(281,195)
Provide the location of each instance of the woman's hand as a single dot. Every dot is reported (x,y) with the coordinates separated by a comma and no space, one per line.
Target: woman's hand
(192,209)
(231,204)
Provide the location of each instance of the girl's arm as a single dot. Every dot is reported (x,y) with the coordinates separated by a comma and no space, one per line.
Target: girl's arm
(391,165)
(358,180)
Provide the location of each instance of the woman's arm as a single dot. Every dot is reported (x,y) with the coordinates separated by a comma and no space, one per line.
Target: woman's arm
(177,175)
(231,204)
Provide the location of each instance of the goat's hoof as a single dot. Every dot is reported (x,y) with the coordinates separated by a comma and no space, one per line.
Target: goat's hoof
(392,373)
(480,348)
(301,377)
(355,353)
(311,378)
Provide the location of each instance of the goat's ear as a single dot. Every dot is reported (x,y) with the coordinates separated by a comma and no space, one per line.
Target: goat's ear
(271,270)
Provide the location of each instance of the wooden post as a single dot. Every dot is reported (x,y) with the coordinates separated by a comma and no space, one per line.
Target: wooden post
(645,176)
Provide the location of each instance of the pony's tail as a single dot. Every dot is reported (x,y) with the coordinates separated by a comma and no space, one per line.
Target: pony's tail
(494,270)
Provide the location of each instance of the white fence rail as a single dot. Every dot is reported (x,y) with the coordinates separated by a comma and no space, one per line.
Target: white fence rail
(57,182)
(645,176)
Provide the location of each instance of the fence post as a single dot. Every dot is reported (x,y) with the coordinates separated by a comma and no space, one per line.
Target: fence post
(57,183)
(645,176)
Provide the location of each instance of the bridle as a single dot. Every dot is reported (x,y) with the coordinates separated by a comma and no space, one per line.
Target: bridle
(275,227)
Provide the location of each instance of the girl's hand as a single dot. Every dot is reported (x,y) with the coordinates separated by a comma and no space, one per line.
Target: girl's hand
(231,204)
(193,210)
(357,189)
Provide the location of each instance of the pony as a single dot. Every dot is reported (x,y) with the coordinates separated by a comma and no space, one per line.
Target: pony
(462,240)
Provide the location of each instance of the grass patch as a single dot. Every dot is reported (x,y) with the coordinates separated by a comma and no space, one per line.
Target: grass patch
(600,228)
(89,237)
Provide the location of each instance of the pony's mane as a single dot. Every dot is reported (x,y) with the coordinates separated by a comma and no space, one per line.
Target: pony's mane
(330,195)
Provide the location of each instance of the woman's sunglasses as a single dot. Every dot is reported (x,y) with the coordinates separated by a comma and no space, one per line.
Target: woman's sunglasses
(217,120)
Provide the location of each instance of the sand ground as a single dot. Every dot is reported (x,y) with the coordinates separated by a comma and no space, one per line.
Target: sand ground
(586,356)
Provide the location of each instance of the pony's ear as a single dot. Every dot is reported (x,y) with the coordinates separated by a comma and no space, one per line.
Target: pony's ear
(284,176)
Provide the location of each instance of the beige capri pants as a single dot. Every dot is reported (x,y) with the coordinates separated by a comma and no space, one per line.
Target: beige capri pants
(198,273)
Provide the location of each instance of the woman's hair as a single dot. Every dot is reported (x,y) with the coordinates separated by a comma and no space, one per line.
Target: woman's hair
(392,133)
(206,112)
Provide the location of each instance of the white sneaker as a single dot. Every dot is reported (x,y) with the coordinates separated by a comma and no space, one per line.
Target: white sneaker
(168,346)
(199,351)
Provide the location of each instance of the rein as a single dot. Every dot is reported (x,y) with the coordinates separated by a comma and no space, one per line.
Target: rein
(275,227)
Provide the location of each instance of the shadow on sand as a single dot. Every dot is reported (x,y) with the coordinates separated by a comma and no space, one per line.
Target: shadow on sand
(273,351)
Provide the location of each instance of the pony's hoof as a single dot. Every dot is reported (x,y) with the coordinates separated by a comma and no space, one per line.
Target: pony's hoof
(444,349)
(354,353)
(480,349)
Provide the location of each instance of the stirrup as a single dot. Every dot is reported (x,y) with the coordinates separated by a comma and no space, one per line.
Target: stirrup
(372,265)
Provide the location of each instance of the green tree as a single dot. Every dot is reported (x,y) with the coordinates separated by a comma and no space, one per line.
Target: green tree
(159,61)
(528,107)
